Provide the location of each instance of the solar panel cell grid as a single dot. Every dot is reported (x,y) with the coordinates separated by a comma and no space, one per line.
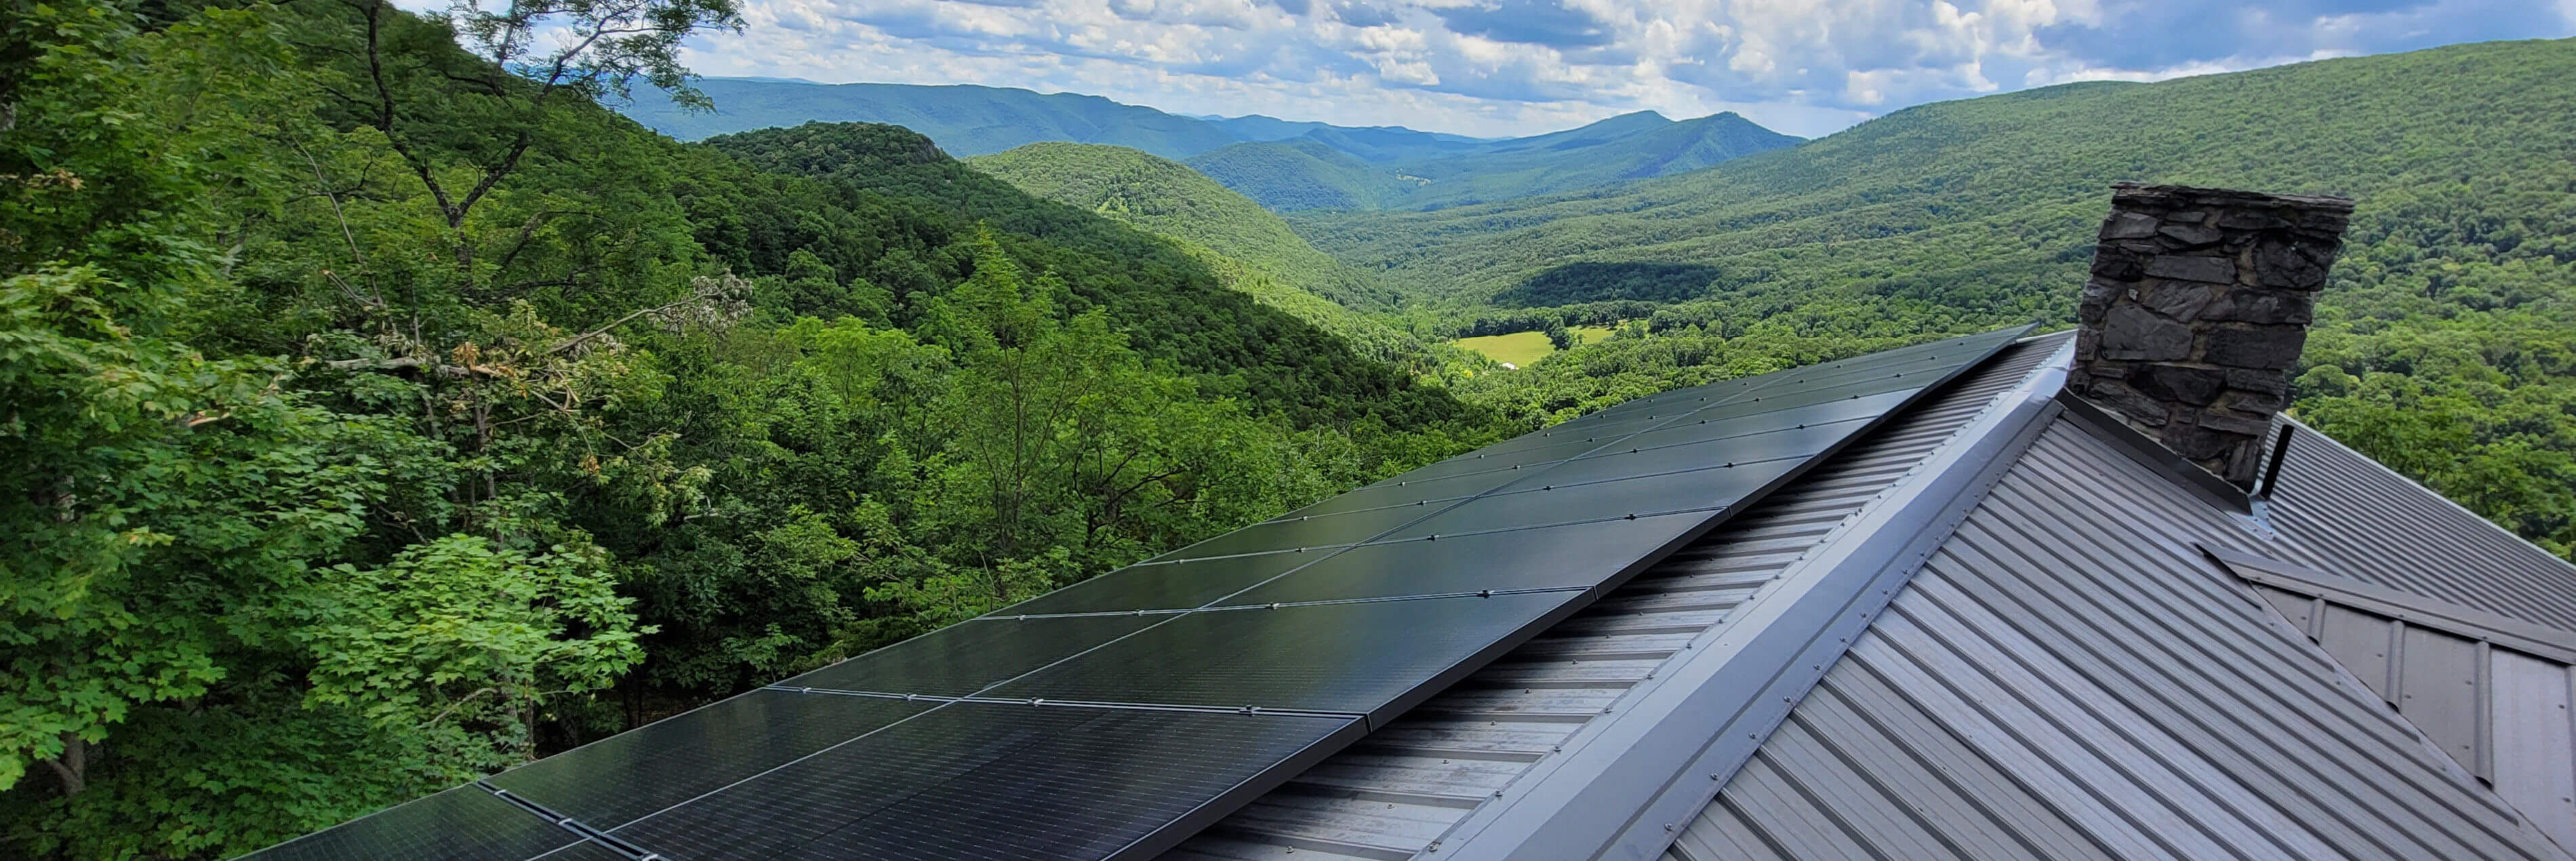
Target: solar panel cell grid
(629,775)
(1336,530)
(1528,559)
(974,780)
(961,659)
(461,824)
(1173,586)
(1571,513)
(1353,658)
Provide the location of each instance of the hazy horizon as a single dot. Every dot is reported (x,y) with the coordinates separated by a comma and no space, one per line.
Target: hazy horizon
(1511,68)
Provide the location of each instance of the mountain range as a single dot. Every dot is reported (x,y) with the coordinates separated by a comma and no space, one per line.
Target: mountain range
(1283,165)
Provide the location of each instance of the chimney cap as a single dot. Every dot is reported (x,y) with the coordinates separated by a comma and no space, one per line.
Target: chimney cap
(2197,194)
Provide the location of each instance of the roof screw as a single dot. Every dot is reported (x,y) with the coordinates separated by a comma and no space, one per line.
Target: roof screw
(1668,826)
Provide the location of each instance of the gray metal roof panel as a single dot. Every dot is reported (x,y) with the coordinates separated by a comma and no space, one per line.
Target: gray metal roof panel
(2349,515)
(2491,691)
(2074,671)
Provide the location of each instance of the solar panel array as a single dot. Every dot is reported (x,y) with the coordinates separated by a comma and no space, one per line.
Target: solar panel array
(1112,718)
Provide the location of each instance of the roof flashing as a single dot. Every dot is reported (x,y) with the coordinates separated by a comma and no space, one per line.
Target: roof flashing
(2153,455)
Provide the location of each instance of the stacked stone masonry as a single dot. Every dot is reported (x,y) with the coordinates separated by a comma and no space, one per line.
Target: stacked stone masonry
(2199,303)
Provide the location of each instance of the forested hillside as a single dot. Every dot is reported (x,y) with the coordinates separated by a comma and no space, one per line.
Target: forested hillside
(1290,175)
(1280,164)
(1342,171)
(1249,247)
(2446,345)
(381,415)
(1631,146)
(965,119)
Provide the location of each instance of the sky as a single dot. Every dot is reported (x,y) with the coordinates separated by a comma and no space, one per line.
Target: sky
(1499,68)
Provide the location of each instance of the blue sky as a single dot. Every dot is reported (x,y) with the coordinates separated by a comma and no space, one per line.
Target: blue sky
(1510,67)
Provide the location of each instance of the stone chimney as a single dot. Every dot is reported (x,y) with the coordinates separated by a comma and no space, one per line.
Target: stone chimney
(2199,303)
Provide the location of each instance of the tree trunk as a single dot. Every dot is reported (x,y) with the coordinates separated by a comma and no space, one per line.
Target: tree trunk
(73,766)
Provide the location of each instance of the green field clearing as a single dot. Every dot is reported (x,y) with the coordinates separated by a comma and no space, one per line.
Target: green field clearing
(1523,348)
(1517,348)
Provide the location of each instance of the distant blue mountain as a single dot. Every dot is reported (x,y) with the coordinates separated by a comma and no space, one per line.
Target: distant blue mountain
(1283,164)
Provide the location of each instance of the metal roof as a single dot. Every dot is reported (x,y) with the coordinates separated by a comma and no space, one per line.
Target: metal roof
(2349,515)
(1400,791)
(2491,691)
(2070,677)
(2065,671)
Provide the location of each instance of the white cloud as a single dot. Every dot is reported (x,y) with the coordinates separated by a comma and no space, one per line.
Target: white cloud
(1508,67)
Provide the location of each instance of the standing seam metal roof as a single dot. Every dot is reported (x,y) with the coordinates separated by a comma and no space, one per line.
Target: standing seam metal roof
(1395,793)
(2352,516)
(2069,677)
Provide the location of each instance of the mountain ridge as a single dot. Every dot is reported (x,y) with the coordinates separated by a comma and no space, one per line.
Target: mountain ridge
(1252,249)
(1368,166)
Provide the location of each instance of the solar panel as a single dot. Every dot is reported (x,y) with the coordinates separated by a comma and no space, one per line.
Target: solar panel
(585,851)
(1157,586)
(462,823)
(1560,558)
(1114,717)
(981,780)
(629,775)
(961,659)
(1354,658)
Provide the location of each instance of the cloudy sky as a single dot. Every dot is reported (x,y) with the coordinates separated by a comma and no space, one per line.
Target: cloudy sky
(1511,67)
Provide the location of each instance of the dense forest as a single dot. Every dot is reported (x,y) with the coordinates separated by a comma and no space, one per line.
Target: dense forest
(2445,345)
(1250,249)
(385,412)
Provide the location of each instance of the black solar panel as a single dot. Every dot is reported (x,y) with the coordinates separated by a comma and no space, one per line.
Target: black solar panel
(1155,586)
(1545,558)
(961,659)
(1354,658)
(587,851)
(631,775)
(457,825)
(977,781)
(1114,717)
